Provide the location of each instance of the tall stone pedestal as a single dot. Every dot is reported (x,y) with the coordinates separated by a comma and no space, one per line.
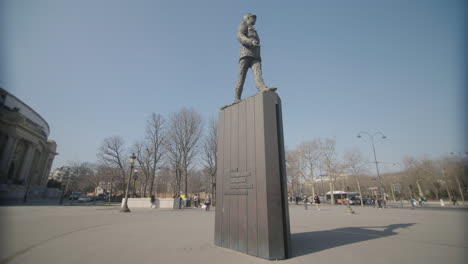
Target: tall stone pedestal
(251,191)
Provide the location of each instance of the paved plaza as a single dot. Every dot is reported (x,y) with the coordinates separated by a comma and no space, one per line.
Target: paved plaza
(100,234)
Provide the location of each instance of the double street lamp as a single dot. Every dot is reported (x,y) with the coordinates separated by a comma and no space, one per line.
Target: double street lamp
(371,137)
(124,208)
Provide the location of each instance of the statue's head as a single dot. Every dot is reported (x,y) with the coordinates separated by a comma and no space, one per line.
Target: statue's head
(250,19)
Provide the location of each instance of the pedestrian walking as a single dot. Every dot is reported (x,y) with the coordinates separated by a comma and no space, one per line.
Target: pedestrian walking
(379,203)
(306,200)
(454,201)
(317,201)
(207,203)
(413,202)
(196,200)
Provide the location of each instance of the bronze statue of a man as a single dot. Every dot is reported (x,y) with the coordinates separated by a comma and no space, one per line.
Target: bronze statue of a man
(249,55)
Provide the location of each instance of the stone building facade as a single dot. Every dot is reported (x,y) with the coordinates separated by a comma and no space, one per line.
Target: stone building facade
(26,154)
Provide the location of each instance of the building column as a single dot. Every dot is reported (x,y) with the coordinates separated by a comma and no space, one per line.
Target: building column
(36,168)
(27,162)
(46,171)
(7,155)
(41,167)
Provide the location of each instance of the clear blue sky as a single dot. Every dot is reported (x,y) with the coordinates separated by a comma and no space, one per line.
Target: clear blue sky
(95,69)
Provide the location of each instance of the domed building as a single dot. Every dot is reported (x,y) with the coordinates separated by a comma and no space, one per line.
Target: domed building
(26,153)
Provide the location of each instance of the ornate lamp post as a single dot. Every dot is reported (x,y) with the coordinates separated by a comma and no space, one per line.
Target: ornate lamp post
(371,137)
(135,178)
(124,208)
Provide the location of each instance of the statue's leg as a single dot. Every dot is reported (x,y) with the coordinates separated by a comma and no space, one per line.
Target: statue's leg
(257,73)
(243,67)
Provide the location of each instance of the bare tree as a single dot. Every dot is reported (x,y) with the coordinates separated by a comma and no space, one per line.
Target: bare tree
(185,132)
(309,161)
(293,176)
(431,175)
(80,175)
(166,182)
(210,146)
(89,180)
(112,153)
(107,176)
(156,138)
(356,165)
(143,157)
(456,166)
(150,151)
(175,161)
(329,159)
(413,169)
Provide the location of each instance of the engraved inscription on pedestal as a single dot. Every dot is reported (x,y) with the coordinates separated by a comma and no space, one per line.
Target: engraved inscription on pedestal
(237,182)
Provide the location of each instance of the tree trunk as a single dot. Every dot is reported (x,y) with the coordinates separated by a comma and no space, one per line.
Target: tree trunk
(448,192)
(153,176)
(323,188)
(359,189)
(411,193)
(110,191)
(460,190)
(185,189)
(213,189)
(312,179)
(110,196)
(421,194)
(313,189)
(179,180)
(436,191)
(332,196)
(145,185)
(393,192)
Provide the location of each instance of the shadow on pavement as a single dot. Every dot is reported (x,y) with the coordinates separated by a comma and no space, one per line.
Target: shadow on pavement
(311,242)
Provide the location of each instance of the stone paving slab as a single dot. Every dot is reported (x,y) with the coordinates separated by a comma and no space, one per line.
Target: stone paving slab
(99,234)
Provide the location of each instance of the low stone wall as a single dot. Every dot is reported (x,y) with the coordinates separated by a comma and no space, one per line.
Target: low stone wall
(146,203)
(164,202)
(138,202)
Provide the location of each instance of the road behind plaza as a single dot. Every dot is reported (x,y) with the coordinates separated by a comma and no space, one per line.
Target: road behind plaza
(100,234)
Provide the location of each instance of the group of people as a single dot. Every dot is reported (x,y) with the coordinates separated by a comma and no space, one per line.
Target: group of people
(197,199)
(377,201)
(306,200)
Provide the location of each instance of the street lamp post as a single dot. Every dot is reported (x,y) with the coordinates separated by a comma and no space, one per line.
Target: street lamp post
(371,137)
(135,178)
(124,208)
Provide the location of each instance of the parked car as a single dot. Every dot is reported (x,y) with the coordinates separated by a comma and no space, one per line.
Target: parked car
(354,201)
(74,196)
(366,201)
(85,199)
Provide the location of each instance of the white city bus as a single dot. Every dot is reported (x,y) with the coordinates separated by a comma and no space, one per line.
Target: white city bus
(341,196)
